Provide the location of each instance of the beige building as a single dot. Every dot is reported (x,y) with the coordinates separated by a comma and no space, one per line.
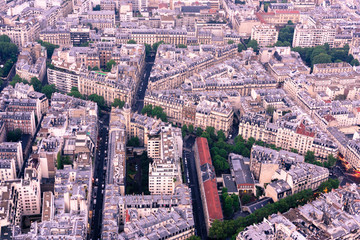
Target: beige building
(55,36)
(313,35)
(22,33)
(265,35)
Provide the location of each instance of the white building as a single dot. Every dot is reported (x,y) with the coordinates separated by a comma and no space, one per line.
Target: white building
(265,35)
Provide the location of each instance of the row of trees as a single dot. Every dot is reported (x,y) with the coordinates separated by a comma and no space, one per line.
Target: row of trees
(8,55)
(47,89)
(286,35)
(185,129)
(325,54)
(156,111)
(229,228)
(310,158)
(96,98)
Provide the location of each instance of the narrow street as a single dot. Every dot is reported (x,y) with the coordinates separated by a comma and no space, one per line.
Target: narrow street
(195,189)
(100,162)
(139,104)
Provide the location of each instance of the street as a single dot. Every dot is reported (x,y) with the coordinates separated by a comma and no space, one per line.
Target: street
(139,104)
(195,189)
(99,178)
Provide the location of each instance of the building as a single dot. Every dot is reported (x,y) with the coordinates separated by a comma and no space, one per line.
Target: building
(10,150)
(241,174)
(32,62)
(151,216)
(165,148)
(313,35)
(265,35)
(56,36)
(7,169)
(207,182)
(22,32)
(278,190)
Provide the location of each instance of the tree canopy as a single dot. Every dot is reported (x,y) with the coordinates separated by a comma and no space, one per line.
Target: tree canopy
(131,41)
(154,112)
(14,136)
(118,103)
(48,90)
(49,48)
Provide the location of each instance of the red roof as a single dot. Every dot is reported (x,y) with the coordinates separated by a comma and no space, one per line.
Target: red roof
(329,118)
(127,216)
(327,101)
(287,12)
(210,187)
(303,131)
(213,200)
(203,149)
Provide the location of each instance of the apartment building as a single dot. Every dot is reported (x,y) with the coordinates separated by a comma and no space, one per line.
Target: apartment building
(165,148)
(22,32)
(287,135)
(265,35)
(32,62)
(7,169)
(56,36)
(313,35)
(25,121)
(190,111)
(10,150)
(332,68)
(148,215)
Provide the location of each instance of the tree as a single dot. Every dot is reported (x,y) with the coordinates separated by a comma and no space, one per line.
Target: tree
(98,99)
(184,130)
(355,62)
(96,8)
(118,103)
(340,97)
(322,58)
(236,202)
(294,150)
(96,68)
(221,135)
(259,191)
(310,157)
(147,49)
(35,82)
(191,128)
(48,90)
(241,47)
(231,42)
(75,93)
(156,45)
(49,48)
(253,44)
(131,41)
(134,142)
(245,199)
(5,38)
(14,136)
(228,207)
(16,79)
(181,46)
(59,164)
(199,131)
(110,64)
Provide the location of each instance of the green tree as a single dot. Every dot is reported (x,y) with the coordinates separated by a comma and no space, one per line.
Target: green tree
(147,49)
(59,164)
(156,45)
(131,41)
(118,103)
(109,65)
(184,130)
(191,128)
(355,62)
(245,199)
(231,42)
(5,38)
(134,142)
(96,68)
(294,150)
(49,47)
(199,131)
(221,135)
(253,44)
(181,46)
(75,93)
(35,82)
(98,99)
(96,8)
(236,202)
(270,110)
(14,136)
(48,90)
(228,207)
(310,157)
(16,79)
(322,58)
(241,47)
